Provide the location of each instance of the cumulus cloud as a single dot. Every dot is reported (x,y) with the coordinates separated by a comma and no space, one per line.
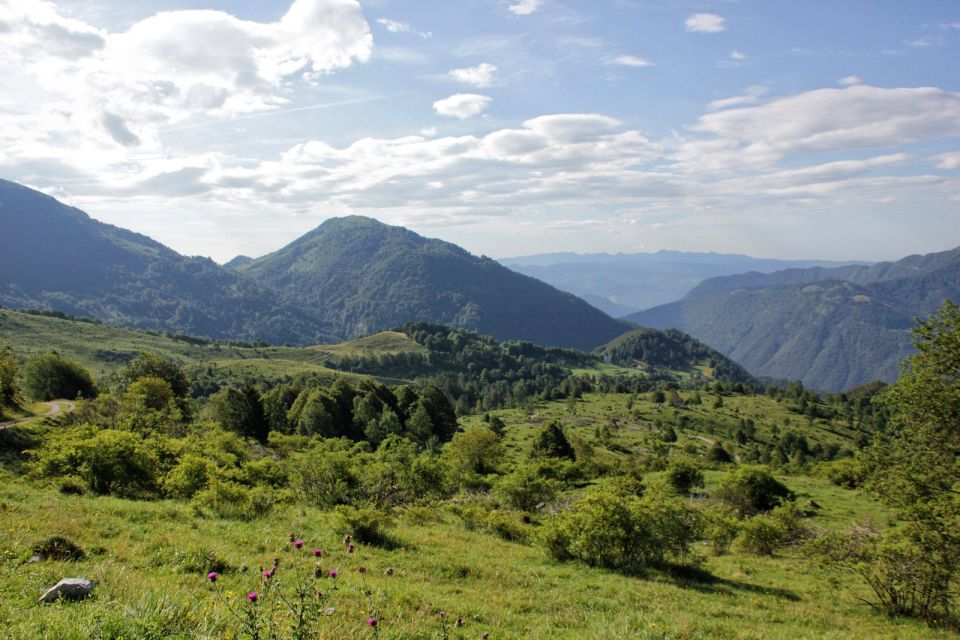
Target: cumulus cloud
(738,55)
(525,7)
(705,23)
(630,61)
(173,65)
(462,105)
(850,80)
(479,76)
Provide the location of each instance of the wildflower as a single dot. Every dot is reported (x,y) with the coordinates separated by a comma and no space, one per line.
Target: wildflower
(372,621)
(318,553)
(347,538)
(486,634)
(350,548)
(388,572)
(267,574)
(212,576)
(361,569)
(332,573)
(298,544)
(459,622)
(292,537)
(443,614)
(252,596)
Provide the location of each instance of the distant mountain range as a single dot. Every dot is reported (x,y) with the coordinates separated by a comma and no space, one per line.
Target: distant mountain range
(349,277)
(624,283)
(830,328)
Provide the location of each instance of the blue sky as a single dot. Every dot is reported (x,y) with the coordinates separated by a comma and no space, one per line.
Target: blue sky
(777,129)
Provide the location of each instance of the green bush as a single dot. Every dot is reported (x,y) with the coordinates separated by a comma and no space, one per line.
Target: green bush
(232,500)
(189,477)
(721,528)
(51,376)
(684,476)
(762,534)
(524,488)
(108,461)
(845,472)
(9,391)
(751,489)
(365,524)
(618,530)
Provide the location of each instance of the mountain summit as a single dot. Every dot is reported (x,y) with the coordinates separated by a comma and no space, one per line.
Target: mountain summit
(359,275)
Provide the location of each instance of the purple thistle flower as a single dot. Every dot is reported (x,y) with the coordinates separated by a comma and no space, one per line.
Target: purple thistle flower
(212,576)
(332,573)
(350,548)
(318,553)
(267,574)
(252,596)
(372,621)
(298,544)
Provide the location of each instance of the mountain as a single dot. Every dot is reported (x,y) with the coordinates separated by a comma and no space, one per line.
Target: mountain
(830,328)
(360,276)
(670,349)
(55,256)
(623,283)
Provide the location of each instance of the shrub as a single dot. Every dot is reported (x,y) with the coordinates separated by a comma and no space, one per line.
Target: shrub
(51,376)
(684,475)
(9,391)
(227,499)
(618,530)
(908,571)
(721,528)
(751,489)
(365,524)
(525,488)
(108,461)
(845,472)
(762,534)
(72,486)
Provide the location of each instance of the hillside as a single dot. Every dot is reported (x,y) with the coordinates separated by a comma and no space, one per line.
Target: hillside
(623,283)
(812,325)
(55,256)
(360,276)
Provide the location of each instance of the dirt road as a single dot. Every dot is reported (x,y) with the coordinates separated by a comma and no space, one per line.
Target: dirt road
(54,408)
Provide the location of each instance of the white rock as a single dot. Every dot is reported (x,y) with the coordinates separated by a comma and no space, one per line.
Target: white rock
(68,588)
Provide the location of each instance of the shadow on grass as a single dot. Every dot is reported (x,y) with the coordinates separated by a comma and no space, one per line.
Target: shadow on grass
(701,580)
(13,442)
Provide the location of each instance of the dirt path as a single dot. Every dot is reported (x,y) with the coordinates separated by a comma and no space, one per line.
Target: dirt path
(54,408)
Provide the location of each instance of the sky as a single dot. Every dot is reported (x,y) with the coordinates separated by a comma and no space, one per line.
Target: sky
(825,129)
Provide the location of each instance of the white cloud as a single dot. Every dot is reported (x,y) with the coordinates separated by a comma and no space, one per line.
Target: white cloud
(857,117)
(737,55)
(705,23)
(630,61)
(950,160)
(752,96)
(479,76)
(398,26)
(525,7)
(850,80)
(462,105)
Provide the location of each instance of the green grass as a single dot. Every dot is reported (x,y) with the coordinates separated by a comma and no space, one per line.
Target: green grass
(104,349)
(141,555)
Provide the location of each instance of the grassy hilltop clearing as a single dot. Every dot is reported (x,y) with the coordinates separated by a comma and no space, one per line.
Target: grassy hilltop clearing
(430,483)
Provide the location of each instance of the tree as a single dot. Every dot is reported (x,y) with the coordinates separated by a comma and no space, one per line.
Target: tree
(915,466)
(475,451)
(551,442)
(9,391)
(241,411)
(51,376)
(153,365)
